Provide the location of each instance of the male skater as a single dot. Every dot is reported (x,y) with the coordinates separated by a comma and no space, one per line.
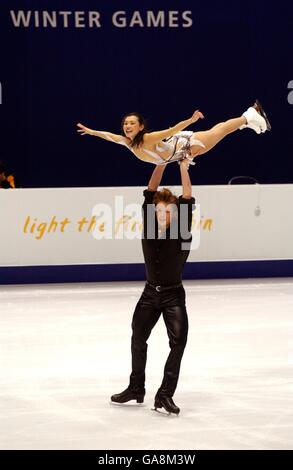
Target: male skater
(166,246)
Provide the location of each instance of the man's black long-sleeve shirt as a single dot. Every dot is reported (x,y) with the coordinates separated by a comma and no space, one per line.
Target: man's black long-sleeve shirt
(165,256)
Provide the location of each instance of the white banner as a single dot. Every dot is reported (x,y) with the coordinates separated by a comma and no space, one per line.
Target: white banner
(103,225)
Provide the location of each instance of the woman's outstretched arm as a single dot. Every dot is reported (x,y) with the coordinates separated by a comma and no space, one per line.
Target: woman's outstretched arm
(156,177)
(155,137)
(103,134)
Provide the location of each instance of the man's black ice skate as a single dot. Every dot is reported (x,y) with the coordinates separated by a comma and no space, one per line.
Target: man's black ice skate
(261,111)
(167,403)
(126,396)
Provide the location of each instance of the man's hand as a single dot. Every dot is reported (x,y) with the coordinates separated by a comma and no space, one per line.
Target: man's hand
(184,163)
(185,179)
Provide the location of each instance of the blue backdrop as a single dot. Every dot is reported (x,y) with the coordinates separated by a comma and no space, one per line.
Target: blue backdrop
(88,67)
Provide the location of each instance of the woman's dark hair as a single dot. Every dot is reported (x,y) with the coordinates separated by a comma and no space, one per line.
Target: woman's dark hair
(138,140)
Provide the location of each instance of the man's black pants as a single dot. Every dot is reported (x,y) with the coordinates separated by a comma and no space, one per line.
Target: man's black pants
(171,303)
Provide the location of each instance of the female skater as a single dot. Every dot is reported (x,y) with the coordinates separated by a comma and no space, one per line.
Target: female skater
(172,144)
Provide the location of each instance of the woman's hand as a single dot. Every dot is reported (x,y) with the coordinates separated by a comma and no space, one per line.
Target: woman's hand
(84,130)
(196,116)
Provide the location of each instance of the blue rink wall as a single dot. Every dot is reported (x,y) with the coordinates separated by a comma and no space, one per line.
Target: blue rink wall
(136,272)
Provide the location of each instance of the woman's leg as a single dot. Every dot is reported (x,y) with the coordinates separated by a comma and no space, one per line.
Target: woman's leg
(214,135)
(254,118)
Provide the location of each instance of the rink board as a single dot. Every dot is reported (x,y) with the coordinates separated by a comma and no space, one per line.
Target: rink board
(97,231)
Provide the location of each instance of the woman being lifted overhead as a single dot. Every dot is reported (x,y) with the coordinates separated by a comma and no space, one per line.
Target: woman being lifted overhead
(172,144)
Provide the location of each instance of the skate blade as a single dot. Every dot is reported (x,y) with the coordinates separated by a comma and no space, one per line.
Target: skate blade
(126,404)
(263,114)
(164,412)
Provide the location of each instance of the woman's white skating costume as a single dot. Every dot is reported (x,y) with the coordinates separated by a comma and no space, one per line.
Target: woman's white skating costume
(178,147)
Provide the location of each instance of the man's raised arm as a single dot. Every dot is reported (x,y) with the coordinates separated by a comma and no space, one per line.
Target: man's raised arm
(156,177)
(185,179)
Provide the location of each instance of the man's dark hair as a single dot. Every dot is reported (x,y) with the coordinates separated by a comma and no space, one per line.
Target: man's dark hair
(166,196)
